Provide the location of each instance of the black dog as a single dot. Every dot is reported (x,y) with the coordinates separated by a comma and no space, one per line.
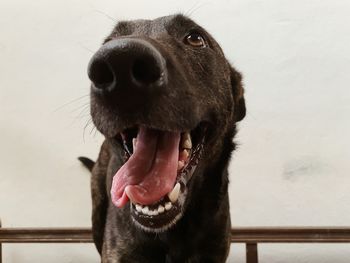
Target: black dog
(167,101)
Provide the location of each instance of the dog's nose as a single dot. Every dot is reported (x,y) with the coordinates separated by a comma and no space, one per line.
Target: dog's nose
(127,63)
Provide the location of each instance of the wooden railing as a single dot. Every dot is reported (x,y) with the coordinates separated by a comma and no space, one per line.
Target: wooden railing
(251,236)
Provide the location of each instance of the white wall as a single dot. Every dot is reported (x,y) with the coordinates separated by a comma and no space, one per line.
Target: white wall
(293,162)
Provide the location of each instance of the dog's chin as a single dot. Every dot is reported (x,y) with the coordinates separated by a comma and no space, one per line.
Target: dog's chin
(161,215)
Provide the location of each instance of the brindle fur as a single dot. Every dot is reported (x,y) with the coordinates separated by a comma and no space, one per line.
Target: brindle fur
(202,86)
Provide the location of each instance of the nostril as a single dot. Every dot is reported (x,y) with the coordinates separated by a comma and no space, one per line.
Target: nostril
(101,74)
(145,71)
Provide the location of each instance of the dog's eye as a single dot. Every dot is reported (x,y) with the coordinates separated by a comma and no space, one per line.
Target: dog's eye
(195,40)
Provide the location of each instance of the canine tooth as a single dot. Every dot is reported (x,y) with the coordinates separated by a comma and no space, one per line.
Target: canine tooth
(184,154)
(138,208)
(134,143)
(186,143)
(168,206)
(160,209)
(180,165)
(186,136)
(145,210)
(174,194)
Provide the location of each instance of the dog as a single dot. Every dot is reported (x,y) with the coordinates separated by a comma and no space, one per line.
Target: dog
(167,102)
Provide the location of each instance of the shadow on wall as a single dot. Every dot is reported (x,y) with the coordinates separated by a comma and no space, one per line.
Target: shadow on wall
(306,166)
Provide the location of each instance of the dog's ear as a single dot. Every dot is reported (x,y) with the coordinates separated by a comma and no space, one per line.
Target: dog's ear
(238,95)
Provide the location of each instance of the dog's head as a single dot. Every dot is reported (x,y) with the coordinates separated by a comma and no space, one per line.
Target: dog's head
(163,91)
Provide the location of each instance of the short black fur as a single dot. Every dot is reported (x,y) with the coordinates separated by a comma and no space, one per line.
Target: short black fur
(200,86)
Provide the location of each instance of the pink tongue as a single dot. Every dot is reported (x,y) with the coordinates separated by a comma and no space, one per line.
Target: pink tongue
(150,173)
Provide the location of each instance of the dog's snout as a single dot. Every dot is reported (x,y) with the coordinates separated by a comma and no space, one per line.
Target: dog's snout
(125,64)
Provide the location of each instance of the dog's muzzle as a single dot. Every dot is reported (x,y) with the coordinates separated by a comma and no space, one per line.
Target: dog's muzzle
(130,87)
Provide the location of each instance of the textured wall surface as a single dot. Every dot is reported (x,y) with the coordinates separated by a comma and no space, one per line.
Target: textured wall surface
(292,165)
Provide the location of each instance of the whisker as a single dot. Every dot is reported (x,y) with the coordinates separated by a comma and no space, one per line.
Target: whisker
(82,116)
(93,128)
(83,106)
(188,12)
(106,15)
(70,102)
(89,121)
(95,132)
(86,48)
(82,112)
(195,8)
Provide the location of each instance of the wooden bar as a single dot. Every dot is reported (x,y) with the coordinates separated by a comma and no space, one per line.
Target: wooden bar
(252,253)
(290,235)
(251,236)
(238,235)
(45,235)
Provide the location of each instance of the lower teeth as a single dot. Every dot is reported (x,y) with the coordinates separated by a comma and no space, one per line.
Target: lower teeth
(159,210)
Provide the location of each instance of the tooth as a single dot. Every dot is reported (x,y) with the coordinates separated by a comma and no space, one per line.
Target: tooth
(180,165)
(184,154)
(153,212)
(168,206)
(174,194)
(187,144)
(134,143)
(145,210)
(138,208)
(186,141)
(186,136)
(160,209)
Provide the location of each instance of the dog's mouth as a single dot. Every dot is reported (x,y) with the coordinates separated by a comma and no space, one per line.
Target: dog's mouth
(158,167)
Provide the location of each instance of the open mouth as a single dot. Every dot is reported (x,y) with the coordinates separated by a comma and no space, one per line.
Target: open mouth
(158,167)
